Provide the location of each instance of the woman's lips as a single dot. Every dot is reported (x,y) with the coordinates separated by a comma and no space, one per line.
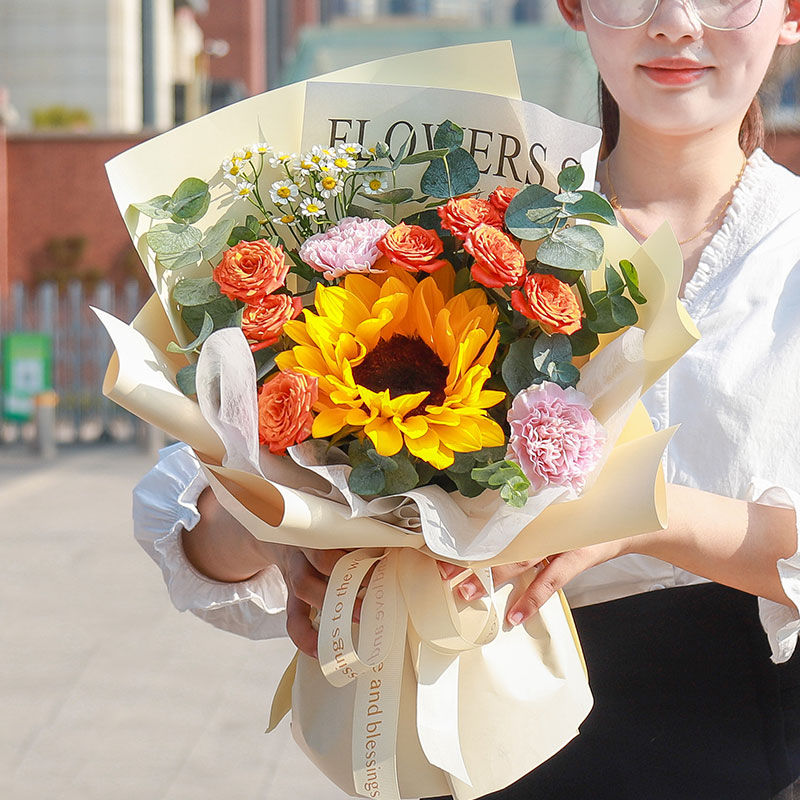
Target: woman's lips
(675,73)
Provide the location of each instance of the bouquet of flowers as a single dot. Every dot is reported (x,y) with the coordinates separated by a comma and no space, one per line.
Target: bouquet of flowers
(396,353)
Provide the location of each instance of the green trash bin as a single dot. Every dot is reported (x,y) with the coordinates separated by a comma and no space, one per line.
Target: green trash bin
(27,372)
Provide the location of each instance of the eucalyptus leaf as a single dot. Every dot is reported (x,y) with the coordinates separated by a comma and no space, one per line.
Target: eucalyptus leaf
(216,237)
(614,283)
(155,208)
(371,168)
(564,374)
(568,276)
(487,454)
(604,321)
(403,478)
(386,463)
(195,291)
(186,379)
(568,197)
(579,247)
(401,153)
(631,277)
(448,136)
(392,196)
(175,261)
(529,212)
(172,238)
(190,200)
(264,361)
(221,310)
(571,178)
(454,175)
(252,224)
(465,483)
(623,311)
(240,233)
(589,310)
(367,479)
(462,463)
(205,331)
(354,210)
(425,155)
(518,370)
(515,491)
(593,207)
(382,150)
(584,342)
(549,350)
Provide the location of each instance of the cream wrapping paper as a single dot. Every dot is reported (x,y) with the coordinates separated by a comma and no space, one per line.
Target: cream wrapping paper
(407,710)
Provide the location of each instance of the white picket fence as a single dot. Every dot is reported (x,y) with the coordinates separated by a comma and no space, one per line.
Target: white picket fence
(81,349)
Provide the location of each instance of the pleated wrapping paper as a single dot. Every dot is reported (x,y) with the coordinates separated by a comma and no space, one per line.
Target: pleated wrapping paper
(437,695)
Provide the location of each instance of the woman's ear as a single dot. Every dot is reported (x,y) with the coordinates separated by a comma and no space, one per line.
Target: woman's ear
(790,30)
(572,11)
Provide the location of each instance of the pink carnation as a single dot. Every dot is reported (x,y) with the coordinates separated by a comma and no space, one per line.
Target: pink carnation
(350,246)
(554,436)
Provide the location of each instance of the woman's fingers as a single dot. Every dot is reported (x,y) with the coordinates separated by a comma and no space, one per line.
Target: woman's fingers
(298,625)
(324,560)
(553,576)
(471,587)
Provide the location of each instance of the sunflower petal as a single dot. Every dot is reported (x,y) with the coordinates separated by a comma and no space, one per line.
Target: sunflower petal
(385,436)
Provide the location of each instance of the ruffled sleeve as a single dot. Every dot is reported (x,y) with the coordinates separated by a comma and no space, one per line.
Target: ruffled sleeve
(781,623)
(165,505)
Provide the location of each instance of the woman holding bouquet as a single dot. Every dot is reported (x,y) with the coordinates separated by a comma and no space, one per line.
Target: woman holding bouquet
(696,695)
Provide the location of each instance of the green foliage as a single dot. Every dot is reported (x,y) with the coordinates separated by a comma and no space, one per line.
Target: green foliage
(508,477)
(206,329)
(631,277)
(518,370)
(172,238)
(223,311)
(196,291)
(425,155)
(265,361)
(392,197)
(530,213)
(571,178)
(454,173)
(61,117)
(584,342)
(374,474)
(190,201)
(579,247)
(593,207)
(448,136)
(186,379)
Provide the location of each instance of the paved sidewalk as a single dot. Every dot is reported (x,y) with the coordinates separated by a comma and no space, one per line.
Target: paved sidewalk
(107,692)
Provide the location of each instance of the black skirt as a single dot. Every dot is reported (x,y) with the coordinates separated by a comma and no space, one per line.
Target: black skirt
(688,705)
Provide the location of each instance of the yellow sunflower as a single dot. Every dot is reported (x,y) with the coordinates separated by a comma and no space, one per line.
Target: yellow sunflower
(405,362)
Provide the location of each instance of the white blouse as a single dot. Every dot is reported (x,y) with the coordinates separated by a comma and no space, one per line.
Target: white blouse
(733,394)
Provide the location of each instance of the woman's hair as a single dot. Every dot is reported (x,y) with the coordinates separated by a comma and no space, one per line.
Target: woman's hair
(751,134)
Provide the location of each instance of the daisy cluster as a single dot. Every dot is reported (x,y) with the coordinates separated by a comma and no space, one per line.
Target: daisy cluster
(311,189)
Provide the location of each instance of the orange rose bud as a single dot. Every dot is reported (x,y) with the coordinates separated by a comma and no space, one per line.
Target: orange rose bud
(249,271)
(264,323)
(462,214)
(502,196)
(498,260)
(412,248)
(284,410)
(550,302)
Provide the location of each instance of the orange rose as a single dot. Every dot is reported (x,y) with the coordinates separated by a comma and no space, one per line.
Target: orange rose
(498,260)
(550,302)
(249,271)
(462,214)
(284,410)
(502,196)
(264,323)
(412,248)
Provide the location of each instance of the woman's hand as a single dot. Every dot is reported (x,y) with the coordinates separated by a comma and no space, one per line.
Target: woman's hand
(224,550)
(552,575)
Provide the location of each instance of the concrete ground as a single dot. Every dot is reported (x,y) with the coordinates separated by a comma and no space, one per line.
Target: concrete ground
(106,691)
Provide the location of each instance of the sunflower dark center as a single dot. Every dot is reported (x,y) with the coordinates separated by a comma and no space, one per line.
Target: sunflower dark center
(404,365)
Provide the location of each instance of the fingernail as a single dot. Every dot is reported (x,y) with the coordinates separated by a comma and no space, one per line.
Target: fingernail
(443,571)
(467,591)
(515,617)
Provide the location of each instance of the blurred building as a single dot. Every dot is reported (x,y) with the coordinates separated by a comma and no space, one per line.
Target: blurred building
(104,65)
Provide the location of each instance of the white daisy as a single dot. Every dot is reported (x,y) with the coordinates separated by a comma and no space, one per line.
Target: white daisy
(232,168)
(344,162)
(244,153)
(283,191)
(262,148)
(245,188)
(329,186)
(287,219)
(279,159)
(375,182)
(352,149)
(322,153)
(306,165)
(312,207)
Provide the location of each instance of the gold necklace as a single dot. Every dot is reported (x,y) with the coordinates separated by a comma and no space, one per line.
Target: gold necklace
(614,200)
